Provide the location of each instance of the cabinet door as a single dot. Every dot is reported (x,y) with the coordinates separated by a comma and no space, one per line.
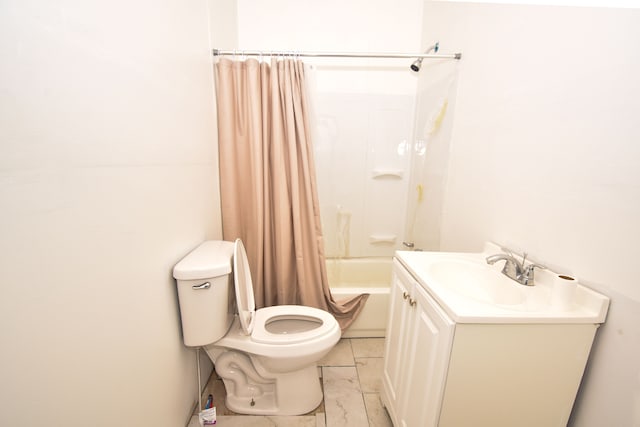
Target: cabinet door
(395,341)
(430,339)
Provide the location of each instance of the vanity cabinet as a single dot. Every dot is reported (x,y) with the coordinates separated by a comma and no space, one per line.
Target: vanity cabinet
(417,347)
(438,372)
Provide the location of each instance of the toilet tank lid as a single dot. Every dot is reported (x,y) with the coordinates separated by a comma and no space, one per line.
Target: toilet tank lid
(211,259)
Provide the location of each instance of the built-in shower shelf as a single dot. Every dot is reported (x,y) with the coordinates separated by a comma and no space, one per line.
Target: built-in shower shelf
(387,173)
(382,238)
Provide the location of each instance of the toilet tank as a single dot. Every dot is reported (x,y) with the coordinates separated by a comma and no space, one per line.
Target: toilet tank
(205,292)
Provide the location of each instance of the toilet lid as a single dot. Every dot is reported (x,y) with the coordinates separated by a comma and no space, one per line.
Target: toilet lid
(244,287)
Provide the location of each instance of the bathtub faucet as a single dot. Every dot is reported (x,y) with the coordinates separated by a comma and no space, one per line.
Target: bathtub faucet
(411,246)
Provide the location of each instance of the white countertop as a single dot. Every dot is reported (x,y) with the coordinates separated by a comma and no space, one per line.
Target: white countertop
(534,302)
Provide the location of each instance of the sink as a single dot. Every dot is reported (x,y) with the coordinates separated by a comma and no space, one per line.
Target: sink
(472,291)
(477,281)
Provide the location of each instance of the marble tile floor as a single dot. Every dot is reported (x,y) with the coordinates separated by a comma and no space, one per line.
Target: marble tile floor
(351,381)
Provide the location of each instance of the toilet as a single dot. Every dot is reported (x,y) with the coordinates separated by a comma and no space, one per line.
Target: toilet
(266,357)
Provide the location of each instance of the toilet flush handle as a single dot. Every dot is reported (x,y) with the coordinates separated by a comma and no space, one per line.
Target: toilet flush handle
(205,285)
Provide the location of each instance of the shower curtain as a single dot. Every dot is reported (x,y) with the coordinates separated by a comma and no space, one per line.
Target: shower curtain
(268,184)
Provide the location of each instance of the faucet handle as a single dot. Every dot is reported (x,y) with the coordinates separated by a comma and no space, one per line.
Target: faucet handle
(529,273)
(529,268)
(514,254)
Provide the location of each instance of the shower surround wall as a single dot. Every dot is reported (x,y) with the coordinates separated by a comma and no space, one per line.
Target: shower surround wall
(362,161)
(364,109)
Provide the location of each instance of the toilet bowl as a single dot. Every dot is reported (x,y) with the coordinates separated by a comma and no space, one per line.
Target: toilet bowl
(266,357)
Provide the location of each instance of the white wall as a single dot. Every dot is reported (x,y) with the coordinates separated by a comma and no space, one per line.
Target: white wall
(364,108)
(335,25)
(223,24)
(544,159)
(581,3)
(108,176)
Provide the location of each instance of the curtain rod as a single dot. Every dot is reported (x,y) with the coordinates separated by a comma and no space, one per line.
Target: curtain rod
(239,52)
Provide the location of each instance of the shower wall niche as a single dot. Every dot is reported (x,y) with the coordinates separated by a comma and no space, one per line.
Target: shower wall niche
(362,149)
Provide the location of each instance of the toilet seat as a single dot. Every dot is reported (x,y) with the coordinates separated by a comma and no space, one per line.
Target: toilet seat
(277,325)
(311,322)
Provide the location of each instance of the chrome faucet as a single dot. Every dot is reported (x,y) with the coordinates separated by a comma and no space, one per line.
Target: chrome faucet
(515,269)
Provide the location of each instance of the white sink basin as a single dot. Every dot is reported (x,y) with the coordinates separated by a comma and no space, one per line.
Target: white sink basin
(476,281)
(472,291)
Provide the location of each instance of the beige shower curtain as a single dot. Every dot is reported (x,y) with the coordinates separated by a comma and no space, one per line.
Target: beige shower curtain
(267,184)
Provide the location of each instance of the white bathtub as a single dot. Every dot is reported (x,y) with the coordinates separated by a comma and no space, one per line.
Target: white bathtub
(355,276)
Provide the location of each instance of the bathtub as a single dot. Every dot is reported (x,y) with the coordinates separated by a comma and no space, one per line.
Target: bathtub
(354,276)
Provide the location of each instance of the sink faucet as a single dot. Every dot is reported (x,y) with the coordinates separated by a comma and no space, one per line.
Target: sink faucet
(515,269)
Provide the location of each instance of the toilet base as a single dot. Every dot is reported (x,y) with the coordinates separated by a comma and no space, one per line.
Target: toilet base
(294,393)
(250,392)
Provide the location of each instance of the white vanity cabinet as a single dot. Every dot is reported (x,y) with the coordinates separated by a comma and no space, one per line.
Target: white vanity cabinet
(417,348)
(447,373)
